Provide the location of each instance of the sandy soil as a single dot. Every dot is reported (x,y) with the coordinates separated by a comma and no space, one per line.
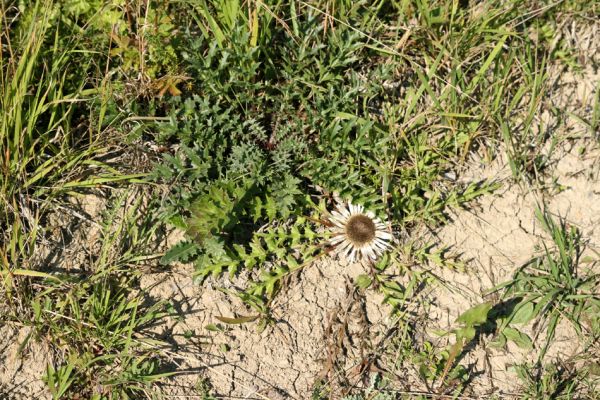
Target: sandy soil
(501,233)
(284,360)
(21,367)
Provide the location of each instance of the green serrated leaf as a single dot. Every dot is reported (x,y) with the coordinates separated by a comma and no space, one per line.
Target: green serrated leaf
(271,208)
(257,212)
(179,222)
(182,251)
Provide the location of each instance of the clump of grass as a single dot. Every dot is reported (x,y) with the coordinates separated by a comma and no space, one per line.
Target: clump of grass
(47,151)
(52,131)
(552,287)
(548,382)
(555,286)
(94,322)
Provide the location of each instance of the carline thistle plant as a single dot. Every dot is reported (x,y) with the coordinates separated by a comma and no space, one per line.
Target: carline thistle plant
(357,233)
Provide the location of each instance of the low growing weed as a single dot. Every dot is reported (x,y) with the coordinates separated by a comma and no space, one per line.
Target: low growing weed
(554,286)
(276,130)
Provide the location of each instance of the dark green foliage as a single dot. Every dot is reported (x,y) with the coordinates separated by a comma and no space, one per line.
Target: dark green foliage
(260,128)
(244,142)
(225,182)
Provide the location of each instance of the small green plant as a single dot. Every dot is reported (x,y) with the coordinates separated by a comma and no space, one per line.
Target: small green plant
(471,323)
(435,368)
(59,380)
(553,287)
(548,288)
(547,382)
(272,130)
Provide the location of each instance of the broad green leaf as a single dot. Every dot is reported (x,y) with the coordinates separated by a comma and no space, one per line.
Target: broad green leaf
(363,281)
(521,339)
(523,314)
(476,315)
(467,333)
(498,342)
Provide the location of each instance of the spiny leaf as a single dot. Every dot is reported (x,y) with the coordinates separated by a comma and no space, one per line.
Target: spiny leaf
(182,251)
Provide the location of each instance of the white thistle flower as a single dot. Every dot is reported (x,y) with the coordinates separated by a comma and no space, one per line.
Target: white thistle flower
(357,233)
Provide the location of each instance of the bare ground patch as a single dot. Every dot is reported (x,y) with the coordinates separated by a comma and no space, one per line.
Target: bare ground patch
(22,364)
(319,314)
